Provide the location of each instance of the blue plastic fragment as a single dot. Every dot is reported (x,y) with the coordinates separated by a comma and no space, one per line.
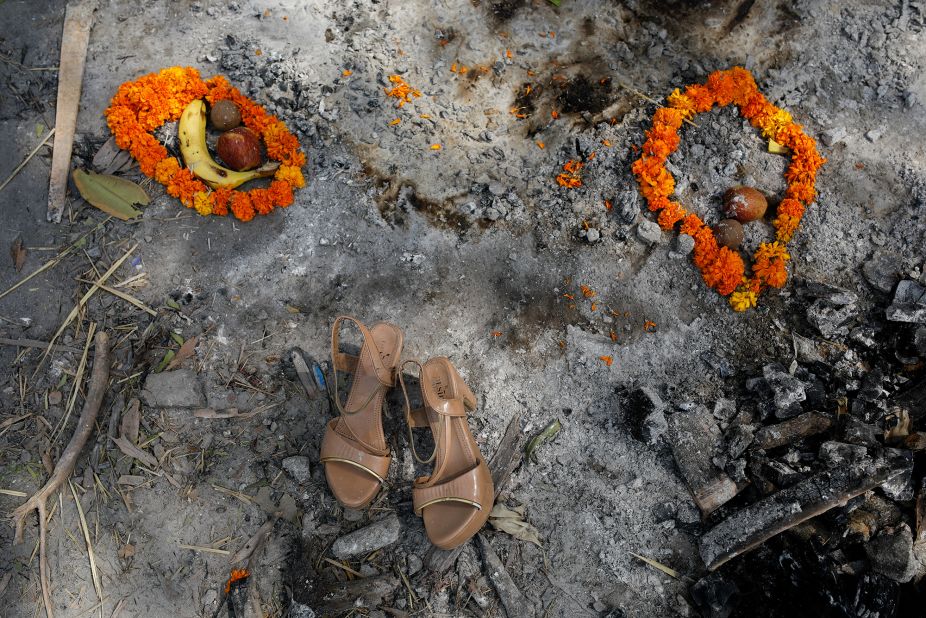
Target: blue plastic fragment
(319,376)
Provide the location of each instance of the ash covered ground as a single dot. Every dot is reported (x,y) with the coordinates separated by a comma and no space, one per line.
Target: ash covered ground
(479,255)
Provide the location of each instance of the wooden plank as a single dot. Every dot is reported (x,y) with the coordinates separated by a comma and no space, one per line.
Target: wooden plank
(78,18)
(755,524)
(792,430)
(695,437)
(515,603)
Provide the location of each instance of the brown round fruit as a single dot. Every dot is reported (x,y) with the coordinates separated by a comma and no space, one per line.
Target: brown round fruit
(744,204)
(729,233)
(225,115)
(239,149)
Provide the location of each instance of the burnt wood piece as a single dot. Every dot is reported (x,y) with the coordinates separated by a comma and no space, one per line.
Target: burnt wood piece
(515,603)
(921,514)
(341,597)
(913,400)
(504,462)
(916,441)
(695,438)
(755,524)
(792,430)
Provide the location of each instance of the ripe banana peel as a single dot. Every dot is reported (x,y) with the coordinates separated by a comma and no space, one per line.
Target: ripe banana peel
(192,134)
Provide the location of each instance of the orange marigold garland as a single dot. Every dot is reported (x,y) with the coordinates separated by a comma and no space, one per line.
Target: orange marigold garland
(722,268)
(141,106)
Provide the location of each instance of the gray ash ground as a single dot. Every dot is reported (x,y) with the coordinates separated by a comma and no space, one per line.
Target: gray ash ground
(454,245)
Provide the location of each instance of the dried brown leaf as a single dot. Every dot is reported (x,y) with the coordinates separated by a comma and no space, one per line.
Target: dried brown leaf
(127,551)
(185,352)
(128,427)
(511,521)
(18,253)
(133,451)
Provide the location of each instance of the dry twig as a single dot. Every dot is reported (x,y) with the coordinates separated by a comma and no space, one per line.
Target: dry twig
(65,466)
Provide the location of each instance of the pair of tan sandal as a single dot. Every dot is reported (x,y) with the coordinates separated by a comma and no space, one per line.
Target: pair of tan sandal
(456,498)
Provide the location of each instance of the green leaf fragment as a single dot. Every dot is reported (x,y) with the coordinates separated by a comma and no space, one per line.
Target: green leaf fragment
(113,195)
(169,356)
(170,302)
(548,433)
(177,338)
(554,2)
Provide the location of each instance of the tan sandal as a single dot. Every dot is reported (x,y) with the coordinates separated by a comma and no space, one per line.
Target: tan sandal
(354,448)
(455,500)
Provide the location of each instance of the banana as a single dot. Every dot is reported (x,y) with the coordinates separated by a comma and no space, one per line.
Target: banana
(192,134)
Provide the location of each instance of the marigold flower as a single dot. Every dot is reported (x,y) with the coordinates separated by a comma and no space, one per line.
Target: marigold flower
(725,272)
(670,215)
(741,300)
(291,175)
(141,106)
(202,202)
(722,268)
(220,201)
(241,206)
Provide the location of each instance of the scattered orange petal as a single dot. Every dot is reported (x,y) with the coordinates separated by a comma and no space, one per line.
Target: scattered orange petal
(393,123)
(608,205)
(401,91)
(649,326)
(347,72)
(496,333)
(588,292)
(541,145)
(435,146)
(607,360)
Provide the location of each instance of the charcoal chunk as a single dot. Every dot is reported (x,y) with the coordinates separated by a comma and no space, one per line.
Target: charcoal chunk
(714,595)
(891,554)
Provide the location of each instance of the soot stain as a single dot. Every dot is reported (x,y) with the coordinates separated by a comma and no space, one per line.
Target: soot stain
(580,94)
(398,195)
(503,10)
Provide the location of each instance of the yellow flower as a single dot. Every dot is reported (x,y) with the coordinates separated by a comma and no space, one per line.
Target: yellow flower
(291,175)
(202,202)
(682,103)
(742,300)
(780,119)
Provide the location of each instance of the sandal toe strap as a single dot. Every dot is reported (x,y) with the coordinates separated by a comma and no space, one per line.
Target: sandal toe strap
(473,487)
(337,447)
